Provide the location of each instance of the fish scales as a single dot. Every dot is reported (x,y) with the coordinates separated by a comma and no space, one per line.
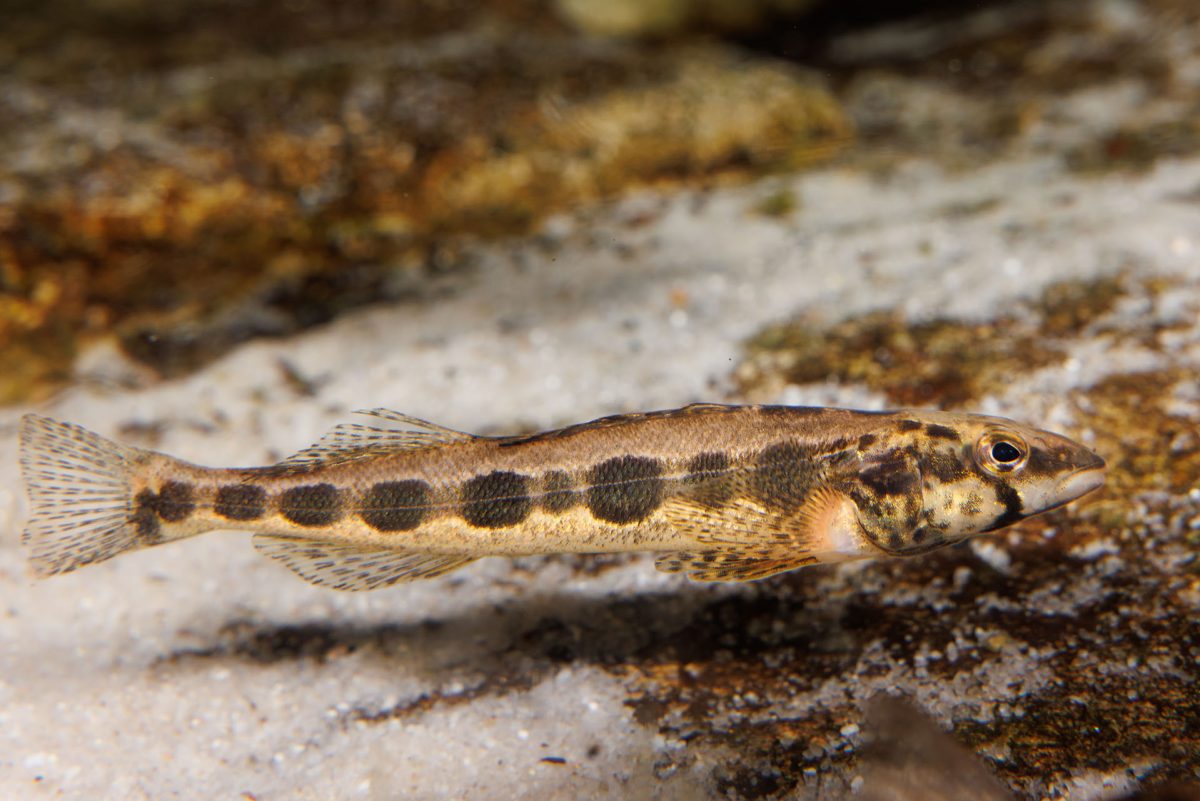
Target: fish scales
(445,498)
(717,492)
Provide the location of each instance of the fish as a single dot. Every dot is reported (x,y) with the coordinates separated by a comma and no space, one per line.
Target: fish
(715,492)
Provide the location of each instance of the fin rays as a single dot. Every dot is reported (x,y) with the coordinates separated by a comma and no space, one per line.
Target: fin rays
(347,567)
(731,565)
(742,540)
(79,489)
(350,442)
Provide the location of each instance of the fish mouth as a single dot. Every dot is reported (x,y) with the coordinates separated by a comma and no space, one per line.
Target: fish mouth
(1081,482)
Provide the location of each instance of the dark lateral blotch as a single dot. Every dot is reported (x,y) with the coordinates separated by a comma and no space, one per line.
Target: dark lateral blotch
(145,516)
(709,478)
(706,466)
(783,476)
(559,493)
(625,489)
(311,504)
(496,499)
(396,505)
(240,502)
(176,501)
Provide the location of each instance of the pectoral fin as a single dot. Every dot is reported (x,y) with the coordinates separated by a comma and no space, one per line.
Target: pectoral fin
(817,524)
(742,541)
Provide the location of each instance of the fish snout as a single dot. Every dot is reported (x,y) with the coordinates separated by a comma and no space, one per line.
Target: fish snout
(1089,476)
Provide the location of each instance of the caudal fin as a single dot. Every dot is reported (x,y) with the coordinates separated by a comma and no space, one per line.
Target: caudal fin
(82,500)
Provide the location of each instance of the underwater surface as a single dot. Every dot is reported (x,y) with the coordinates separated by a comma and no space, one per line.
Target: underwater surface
(225,226)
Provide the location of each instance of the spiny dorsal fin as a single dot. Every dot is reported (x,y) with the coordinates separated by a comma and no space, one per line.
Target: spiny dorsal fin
(347,567)
(348,442)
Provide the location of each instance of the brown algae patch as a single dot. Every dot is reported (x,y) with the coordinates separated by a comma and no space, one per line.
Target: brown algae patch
(942,362)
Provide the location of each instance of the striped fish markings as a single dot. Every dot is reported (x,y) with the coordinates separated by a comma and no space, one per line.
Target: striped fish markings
(721,493)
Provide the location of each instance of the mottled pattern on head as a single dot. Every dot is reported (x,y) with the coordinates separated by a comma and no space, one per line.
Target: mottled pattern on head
(966,474)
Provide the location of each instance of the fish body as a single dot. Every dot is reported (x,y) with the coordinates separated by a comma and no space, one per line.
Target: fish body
(721,493)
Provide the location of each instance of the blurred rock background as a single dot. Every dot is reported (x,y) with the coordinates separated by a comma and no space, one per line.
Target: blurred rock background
(194,174)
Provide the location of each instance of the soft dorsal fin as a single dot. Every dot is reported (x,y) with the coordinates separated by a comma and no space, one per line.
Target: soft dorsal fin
(409,423)
(346,567)
(350,441)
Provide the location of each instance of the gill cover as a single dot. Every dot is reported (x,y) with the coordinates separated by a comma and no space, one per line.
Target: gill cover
(887,490)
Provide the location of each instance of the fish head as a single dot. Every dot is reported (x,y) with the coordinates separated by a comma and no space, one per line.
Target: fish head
(931,479)
(981,473)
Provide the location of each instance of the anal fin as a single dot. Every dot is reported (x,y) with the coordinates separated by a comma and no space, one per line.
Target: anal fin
(341,566)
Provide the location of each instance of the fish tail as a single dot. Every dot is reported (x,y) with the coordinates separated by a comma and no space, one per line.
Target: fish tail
(81,492)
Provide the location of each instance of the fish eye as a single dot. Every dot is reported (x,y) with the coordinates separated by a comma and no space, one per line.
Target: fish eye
(1001,452)
(1005,452)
